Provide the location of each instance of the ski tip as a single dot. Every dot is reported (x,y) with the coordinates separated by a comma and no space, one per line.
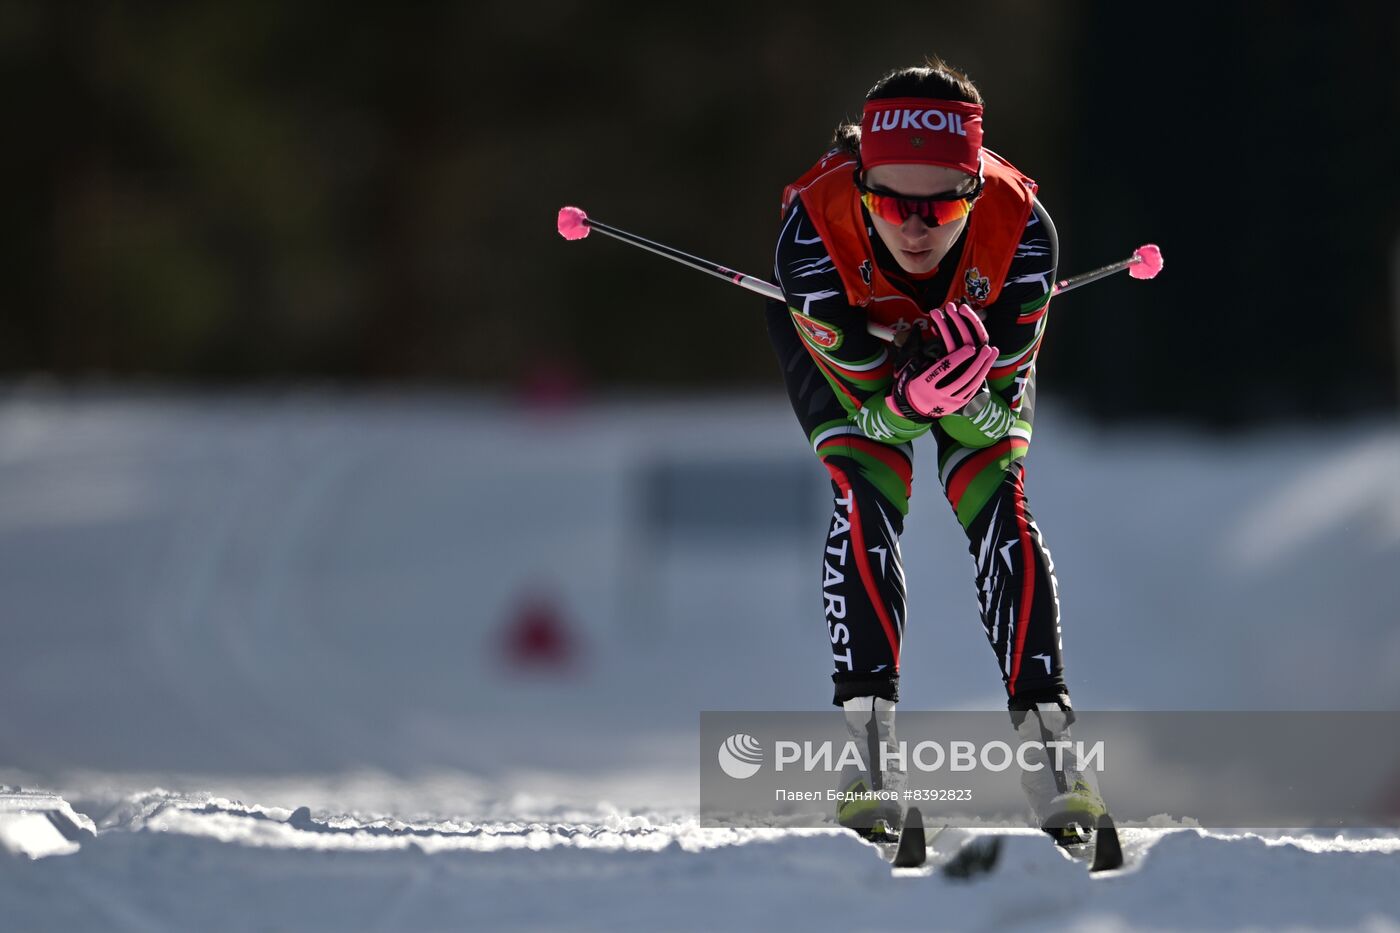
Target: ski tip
(913,847)
(978,856)
(1108,852)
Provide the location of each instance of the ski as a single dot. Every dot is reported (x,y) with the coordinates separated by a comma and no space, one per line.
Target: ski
(907,849)
(912,850)
(1099,845)
(1103,848)
(1108,852)
(978,855)
(963,859)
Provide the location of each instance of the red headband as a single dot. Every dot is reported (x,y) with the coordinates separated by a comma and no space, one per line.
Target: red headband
(922,130)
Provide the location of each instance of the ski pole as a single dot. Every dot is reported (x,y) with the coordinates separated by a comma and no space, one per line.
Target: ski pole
(1144,263)
(575,224)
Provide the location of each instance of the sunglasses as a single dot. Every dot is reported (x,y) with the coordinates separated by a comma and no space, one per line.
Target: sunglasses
(934,210)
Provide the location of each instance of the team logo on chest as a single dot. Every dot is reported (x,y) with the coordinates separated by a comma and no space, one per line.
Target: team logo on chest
(978,286)
(818,332)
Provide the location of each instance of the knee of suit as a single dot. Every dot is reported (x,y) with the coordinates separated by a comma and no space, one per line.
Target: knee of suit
(881,486)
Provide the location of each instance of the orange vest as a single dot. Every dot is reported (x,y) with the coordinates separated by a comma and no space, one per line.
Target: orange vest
(994,230)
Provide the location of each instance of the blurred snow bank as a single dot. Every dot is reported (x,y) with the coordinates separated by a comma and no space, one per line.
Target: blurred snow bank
(311,582)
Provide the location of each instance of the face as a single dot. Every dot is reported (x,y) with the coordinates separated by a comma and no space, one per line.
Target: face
(917,247)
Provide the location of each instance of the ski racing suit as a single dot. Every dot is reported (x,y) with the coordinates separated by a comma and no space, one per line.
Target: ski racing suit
(836,275)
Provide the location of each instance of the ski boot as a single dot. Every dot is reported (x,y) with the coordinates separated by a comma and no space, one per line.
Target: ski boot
(870,722)
(1066,799)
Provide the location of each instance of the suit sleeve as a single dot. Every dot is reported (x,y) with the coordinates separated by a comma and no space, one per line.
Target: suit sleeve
(1015,324)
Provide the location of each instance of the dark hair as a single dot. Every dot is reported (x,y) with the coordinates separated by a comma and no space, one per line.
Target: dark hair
(935,78)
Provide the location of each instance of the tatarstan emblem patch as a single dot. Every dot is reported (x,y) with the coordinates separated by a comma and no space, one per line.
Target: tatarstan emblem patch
(979,287)
(818,332)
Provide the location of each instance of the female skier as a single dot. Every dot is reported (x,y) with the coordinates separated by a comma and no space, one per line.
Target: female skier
(908,222)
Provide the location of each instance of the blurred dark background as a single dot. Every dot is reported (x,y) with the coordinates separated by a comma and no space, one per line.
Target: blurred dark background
(220,193)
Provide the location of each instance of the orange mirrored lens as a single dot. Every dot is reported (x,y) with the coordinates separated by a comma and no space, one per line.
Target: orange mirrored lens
(933,212)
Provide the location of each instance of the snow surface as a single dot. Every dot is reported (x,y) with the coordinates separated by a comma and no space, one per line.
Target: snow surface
(168,861)
(222,608)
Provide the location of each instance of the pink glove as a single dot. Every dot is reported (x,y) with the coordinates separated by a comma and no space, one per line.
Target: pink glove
(933,384)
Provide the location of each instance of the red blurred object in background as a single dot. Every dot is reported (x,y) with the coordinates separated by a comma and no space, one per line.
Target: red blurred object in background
(551,384)
(537,637)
